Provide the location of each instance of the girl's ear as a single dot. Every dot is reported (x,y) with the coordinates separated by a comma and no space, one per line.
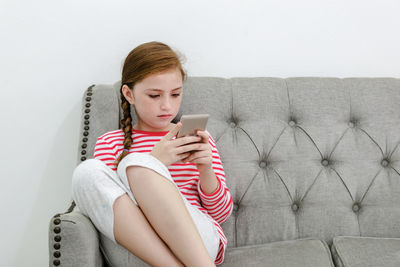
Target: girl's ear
(128,94)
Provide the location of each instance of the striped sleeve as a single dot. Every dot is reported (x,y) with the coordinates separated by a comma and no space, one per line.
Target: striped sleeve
(105,152)
(219,204)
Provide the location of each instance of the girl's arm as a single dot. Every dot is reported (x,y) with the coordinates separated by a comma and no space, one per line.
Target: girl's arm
(219,203)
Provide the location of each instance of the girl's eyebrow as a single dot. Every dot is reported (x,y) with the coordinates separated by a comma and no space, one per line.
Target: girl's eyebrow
(154,89)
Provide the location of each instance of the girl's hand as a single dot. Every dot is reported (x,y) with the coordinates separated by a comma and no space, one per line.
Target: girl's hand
(203,154)
(169,150)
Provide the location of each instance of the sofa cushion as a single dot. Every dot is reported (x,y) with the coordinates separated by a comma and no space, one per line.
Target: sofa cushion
(290,253)
(306,252)
(355,251)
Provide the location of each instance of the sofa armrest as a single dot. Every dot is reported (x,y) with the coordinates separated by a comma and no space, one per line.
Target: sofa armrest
(73,241)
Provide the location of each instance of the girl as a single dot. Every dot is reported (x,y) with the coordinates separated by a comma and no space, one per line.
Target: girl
(145,189)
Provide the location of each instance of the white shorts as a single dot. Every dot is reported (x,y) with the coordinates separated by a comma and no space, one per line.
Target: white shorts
(95,186)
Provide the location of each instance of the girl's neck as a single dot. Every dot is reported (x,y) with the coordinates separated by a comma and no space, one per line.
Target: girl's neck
(171,126)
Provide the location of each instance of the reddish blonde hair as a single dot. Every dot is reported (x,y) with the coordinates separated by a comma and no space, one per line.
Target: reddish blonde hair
(144,60)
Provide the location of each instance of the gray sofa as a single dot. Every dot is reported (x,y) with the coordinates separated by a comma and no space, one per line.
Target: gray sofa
(312,164)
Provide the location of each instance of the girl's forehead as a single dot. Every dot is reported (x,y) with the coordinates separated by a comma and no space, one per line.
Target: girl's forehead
(163,80)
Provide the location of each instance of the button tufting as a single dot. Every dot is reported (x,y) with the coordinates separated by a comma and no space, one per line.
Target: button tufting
(235,206)
(325,162)
(351,124)
(295,207)
(384,163)
(263,164)
(292,123)
(356,207)
(232,124)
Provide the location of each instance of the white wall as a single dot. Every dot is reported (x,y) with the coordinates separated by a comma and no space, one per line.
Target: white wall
(51,51)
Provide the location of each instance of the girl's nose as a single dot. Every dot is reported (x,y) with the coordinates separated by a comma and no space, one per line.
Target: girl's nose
(166,104)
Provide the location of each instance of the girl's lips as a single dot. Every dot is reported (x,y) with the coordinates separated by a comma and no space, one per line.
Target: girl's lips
(164,117)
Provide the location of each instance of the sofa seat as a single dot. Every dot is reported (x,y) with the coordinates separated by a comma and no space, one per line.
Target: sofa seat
(355,251)
(307,252)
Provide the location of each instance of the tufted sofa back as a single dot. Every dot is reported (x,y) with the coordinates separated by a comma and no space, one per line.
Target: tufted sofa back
(303,156)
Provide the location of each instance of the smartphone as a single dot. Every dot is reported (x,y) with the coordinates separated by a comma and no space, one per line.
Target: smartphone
(191,123)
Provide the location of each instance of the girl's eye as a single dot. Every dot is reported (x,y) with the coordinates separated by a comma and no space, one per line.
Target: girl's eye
(154,96)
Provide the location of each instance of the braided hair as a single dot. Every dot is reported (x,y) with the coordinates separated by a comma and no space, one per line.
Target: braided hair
(144,60)
(126,126)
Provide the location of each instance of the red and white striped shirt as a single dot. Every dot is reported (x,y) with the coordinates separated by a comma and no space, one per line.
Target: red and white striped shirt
(217,206)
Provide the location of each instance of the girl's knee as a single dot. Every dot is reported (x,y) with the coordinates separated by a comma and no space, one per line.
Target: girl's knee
(85,168)
(86,172)
(89,166)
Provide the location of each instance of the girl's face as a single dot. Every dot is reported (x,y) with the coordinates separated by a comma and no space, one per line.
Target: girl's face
(157,94)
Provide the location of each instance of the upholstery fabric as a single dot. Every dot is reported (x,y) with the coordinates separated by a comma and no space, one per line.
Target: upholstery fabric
(291,253)
(353,251)
(75,240)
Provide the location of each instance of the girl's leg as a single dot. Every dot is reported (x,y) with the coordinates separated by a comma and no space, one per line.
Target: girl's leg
(163,206)
(133,231)
(98,193)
